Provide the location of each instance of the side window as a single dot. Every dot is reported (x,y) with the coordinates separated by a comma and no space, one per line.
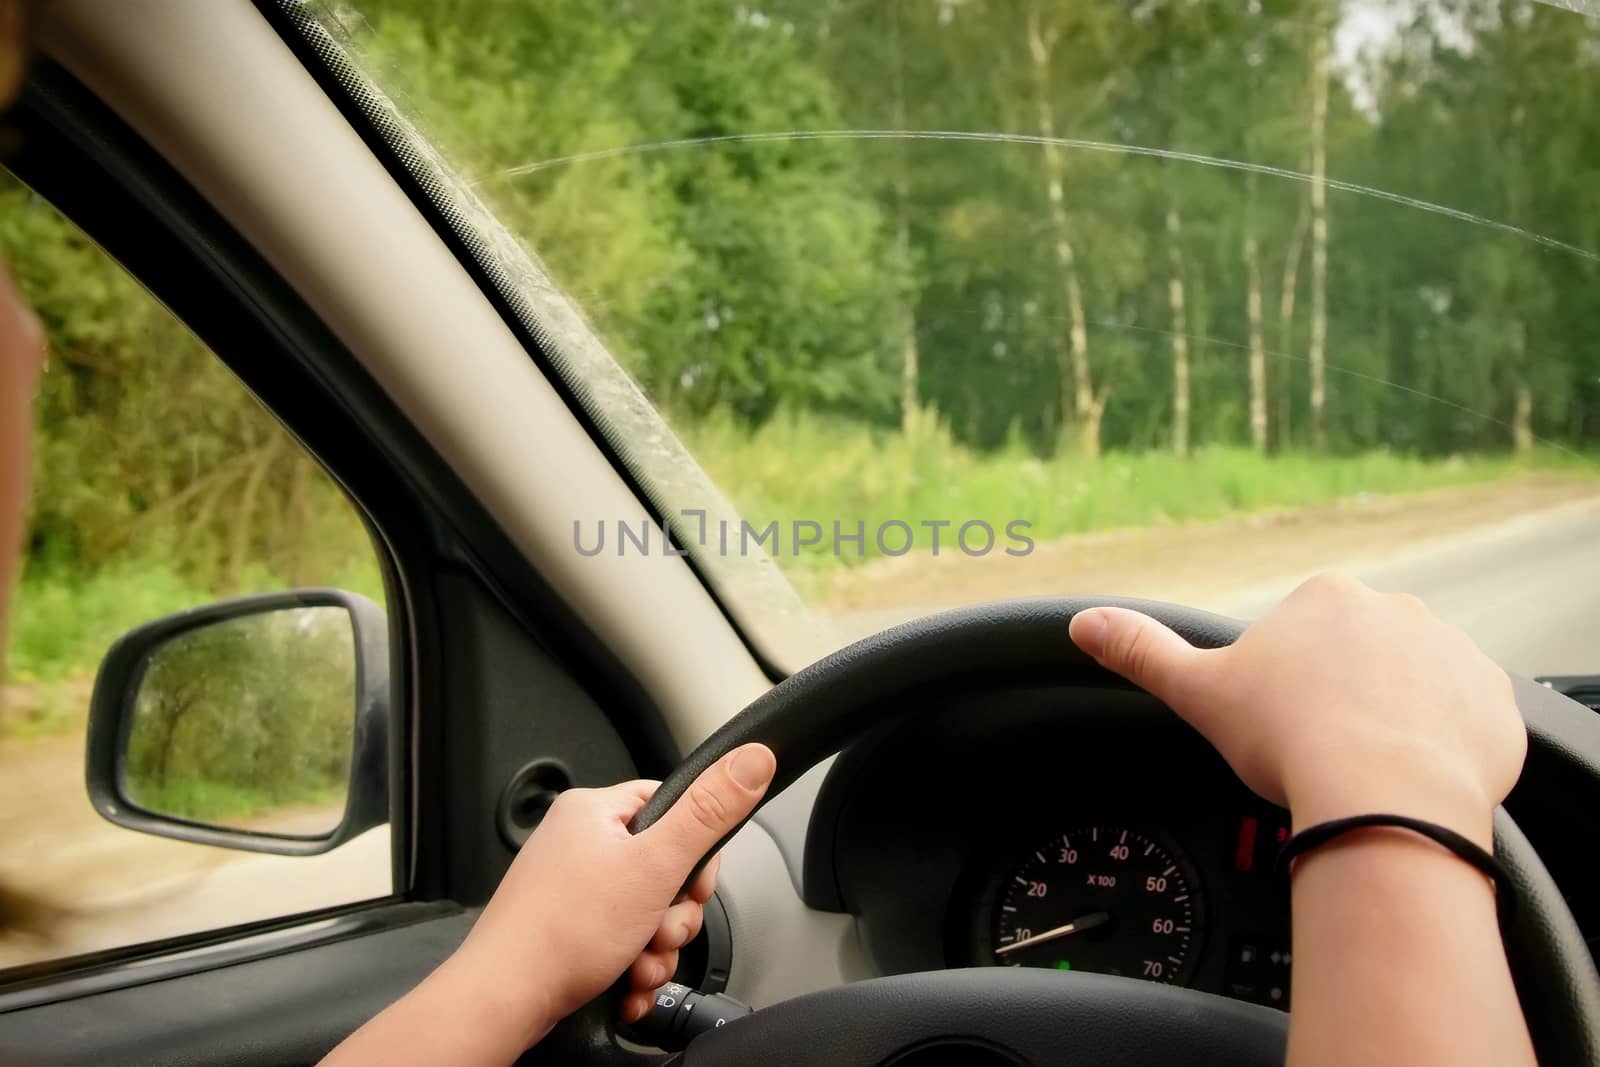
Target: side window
(160,486)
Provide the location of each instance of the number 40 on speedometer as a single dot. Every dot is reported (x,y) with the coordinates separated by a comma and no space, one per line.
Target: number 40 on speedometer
(1104,899)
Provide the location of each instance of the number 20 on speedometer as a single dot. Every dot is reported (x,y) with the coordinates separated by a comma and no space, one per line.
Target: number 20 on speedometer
(1103,899)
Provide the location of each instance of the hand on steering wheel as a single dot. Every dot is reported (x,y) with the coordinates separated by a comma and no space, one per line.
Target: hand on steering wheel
(1339,701)
(583,902)
(1342,702)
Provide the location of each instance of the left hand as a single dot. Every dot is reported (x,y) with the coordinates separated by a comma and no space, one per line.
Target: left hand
(585,900)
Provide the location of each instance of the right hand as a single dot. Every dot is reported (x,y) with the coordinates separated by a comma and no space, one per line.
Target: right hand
(1339,701)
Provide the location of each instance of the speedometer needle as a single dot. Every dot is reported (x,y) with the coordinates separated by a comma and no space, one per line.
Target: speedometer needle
(1083,922)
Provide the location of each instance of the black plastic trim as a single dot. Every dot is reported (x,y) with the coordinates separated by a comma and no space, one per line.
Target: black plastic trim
(719,947)
(291,1007)
(1584,688)
(176,957)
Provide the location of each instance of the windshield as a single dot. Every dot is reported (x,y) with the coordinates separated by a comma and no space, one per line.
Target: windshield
(954,300)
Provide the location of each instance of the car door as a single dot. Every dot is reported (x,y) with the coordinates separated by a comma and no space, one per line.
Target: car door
(503,691)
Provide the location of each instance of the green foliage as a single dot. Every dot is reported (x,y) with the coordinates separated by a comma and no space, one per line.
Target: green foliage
(159,483)
(66,618)
(725,279)
(743,276)
(148,449)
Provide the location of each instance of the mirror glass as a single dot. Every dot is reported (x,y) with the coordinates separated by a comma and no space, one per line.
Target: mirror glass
(247,723)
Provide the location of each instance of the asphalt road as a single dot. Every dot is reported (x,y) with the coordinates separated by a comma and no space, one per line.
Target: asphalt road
(1527,589)
(1516,566)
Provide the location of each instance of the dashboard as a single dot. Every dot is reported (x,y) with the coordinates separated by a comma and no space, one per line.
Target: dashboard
(993,830)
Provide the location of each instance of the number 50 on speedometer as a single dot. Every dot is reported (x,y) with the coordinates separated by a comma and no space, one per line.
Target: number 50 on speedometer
(1099,898)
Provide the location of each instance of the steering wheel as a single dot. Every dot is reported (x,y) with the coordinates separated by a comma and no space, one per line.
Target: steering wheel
(1004,1015)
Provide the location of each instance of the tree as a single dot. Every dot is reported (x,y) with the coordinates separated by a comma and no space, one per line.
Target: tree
(1253,311)
(1255,56)
(1321,74)
(910,397)
(1087,402)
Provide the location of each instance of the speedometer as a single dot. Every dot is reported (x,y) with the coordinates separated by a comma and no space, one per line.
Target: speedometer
(1103,899)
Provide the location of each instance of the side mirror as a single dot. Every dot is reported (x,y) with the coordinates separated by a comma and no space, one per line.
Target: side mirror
(260,723)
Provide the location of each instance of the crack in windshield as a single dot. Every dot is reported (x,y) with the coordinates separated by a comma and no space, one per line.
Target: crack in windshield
(1075,143)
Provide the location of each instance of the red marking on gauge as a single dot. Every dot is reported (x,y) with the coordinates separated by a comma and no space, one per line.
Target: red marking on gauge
(1244,854)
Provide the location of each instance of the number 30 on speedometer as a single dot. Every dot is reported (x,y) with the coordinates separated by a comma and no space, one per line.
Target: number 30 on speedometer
(1102,899)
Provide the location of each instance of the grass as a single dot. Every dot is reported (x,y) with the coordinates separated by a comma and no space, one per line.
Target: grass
(227,803)
(811,468)
(65,621)
(63,624)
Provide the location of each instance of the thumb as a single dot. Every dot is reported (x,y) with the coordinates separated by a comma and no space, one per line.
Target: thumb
(1139,648)
(720,799)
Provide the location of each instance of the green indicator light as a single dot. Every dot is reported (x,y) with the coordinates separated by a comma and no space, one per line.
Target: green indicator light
(1063,965)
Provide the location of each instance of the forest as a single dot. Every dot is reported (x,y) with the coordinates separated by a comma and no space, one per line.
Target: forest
(1197,256)
(1279,224)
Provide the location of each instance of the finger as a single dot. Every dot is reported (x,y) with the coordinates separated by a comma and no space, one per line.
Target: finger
(636,1005)
(705,883)
(1139,648)
(633,795)
(652,969)
(678,926)
(718,801)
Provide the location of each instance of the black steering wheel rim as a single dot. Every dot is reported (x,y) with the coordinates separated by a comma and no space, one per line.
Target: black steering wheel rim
(819,710)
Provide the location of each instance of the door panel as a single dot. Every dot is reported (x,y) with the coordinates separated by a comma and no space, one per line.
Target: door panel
(511,705)
(286,1009)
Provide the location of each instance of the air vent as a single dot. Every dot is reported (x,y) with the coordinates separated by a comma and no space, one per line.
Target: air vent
(1584,688)
(526,798)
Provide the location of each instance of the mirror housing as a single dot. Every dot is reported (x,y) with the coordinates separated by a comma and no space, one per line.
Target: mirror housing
(112,712)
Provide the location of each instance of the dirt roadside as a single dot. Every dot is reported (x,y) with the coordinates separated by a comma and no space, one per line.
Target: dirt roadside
(116,886)
(1193,564)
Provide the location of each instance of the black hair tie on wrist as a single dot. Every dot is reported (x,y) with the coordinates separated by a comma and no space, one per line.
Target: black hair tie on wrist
(1316,836)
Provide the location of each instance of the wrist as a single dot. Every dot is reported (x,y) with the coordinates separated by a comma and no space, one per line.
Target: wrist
(501,1014)
(1412,784)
